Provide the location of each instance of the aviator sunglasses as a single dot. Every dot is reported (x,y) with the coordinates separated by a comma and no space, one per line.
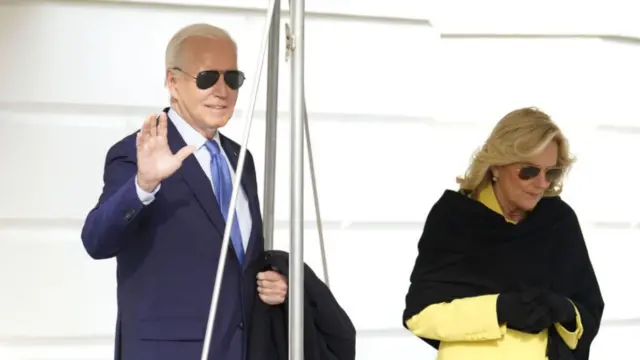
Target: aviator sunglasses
(528,172)
(206,79)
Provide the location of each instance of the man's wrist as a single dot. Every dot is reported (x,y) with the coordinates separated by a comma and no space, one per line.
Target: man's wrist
(148,186)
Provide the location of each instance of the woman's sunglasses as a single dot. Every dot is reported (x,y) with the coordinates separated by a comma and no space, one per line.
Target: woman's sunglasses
(529,172)
(206,79)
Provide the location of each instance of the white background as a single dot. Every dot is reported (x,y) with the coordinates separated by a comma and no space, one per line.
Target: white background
(396,107)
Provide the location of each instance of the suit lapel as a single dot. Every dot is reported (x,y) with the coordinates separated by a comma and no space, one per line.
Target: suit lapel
(232,151)
(256,234)
(192,173)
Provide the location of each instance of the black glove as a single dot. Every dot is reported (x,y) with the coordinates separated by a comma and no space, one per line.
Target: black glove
(527,312)
(561,310)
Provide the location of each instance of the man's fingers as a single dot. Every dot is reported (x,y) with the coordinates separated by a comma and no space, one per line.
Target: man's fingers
(269,276)
(278,287)
(162,125)
(146,126)
(270,291)
(271,300)
(183,153)
(153,130)
(145,130)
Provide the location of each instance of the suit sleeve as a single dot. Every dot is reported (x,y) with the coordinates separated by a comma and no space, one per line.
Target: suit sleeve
(466,319)
(109,226)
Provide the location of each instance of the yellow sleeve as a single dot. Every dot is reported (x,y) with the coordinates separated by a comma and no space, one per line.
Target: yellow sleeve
(571,338)
(468,319)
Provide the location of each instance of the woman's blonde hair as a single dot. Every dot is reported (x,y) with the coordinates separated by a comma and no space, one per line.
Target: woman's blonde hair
(519,135)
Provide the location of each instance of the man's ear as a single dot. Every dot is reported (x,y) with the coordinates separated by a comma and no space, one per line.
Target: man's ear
(170,82)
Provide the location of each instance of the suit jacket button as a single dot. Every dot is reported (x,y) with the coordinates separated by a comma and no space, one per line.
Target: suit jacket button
(241,325)
(129,215)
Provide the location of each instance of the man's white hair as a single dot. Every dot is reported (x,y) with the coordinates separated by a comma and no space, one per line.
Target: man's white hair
(173,55)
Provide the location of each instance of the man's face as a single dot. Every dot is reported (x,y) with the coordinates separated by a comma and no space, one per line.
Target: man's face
(205,109)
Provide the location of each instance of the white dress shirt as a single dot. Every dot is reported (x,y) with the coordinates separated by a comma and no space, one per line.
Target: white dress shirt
(192,137)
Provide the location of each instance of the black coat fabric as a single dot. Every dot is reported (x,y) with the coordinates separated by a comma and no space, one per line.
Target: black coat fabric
(469,250)
(329,333)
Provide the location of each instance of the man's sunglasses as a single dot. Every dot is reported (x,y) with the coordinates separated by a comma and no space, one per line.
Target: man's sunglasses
(529,172)
(206,79)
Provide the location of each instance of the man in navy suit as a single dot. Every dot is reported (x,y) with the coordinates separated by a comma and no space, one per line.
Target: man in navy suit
(162,214)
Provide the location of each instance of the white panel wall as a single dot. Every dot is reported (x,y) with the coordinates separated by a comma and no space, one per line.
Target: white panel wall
(80,75)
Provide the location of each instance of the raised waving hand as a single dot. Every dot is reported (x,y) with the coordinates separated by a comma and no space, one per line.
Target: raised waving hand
(156,161)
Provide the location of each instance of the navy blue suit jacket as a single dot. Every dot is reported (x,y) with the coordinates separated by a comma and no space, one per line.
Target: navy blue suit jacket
(167,254)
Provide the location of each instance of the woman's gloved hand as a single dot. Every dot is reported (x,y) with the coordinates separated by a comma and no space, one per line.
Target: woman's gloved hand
(561,310)
(528,312)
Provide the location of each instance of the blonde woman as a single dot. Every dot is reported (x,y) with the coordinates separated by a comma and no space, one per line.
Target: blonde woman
(503,272)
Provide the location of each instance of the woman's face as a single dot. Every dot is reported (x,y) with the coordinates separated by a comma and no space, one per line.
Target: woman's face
(522,185)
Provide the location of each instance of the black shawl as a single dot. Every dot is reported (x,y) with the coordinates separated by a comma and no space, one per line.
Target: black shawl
(468,250)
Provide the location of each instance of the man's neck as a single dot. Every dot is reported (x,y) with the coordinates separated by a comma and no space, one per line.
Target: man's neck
(209,134)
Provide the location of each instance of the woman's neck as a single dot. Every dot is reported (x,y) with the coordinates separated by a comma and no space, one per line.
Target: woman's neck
(510,211)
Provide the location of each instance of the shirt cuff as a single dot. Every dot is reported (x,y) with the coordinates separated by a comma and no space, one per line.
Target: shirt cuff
(145,197)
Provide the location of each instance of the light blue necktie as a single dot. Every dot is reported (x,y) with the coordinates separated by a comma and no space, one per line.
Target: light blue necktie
(223,183)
